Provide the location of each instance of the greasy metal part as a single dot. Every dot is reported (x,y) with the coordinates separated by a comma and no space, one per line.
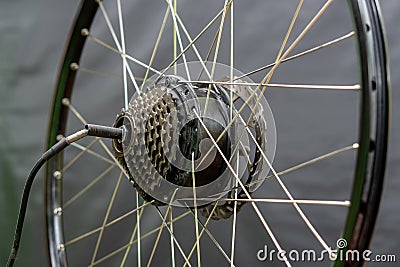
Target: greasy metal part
(152,136)
(157,115)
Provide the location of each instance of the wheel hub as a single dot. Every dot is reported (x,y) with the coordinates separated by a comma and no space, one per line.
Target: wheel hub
(171,127)
(163,135)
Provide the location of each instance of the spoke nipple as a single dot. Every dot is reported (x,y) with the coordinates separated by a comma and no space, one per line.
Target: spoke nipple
(58,211)
(57,175)
(66,102)
(356,145)
(85,32)
(61,247)
(59,137)
(74,66)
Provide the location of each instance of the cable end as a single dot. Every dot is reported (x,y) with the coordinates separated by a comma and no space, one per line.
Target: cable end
(104,131)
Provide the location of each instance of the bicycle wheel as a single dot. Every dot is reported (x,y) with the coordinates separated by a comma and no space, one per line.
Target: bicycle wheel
(193,84)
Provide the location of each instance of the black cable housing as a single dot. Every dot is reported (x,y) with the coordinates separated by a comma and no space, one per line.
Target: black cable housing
(91,130)
(62,144)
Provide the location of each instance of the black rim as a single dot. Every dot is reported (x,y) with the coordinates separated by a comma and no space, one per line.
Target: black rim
(374,126)
(58,118)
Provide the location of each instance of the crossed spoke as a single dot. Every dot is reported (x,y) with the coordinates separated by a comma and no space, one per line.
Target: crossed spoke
(178,35)
(105,219)
(121,51)
(262,219)
(200,34)
(164,224)
(268,76)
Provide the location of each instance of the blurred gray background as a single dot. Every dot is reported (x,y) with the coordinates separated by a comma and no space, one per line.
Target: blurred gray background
(32,37)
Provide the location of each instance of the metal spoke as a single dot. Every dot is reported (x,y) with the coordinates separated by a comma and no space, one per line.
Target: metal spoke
(262,219)
(344,203)
(139,238)
(281,85)
(269,75)
(289,31)
(193,46)
(107,150)
(128,249)
(299,166)
(265,80)
(163,218)
(85,149)
(155,49)
(278,60)
(128,57)
(140,63)
(202,231)
(67,103)
(116,251)
(134,241)
(309,162)
(110,205)
(178,35)
(234,216)
(171,241)
(77,157)
(314,49)
(158,237)
(231,63)
(219,247)
(97,40)
(124,63)
(209,54)
(86,188)
(76,67)
(194,39)
(221,26)
(109,25)
(87,234)
(135,229)
(195,213)
(120,49)
(175,49)
(173,236)
(289,195)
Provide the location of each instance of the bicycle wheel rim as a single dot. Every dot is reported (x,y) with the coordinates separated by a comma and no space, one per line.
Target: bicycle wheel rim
(371,156)
(374,69)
